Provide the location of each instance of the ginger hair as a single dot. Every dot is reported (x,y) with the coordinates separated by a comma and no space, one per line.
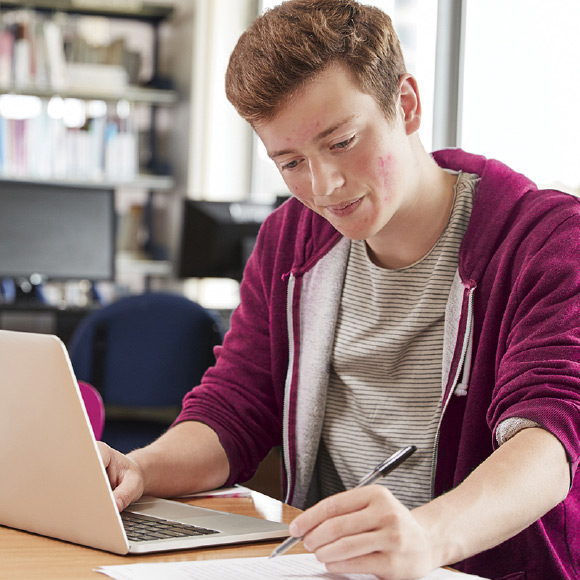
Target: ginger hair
(290,44)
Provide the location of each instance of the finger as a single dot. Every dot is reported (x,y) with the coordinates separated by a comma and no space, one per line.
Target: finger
(106,453)
(373,518)
(331,507)
(127,491)
(125,482)
(353,501)
(368,564)
(356,546)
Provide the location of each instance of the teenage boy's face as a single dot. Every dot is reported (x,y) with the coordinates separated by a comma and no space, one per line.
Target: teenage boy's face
(340,156)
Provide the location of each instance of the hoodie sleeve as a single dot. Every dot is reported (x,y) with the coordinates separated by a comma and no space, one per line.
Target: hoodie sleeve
(538,366)
(241,398)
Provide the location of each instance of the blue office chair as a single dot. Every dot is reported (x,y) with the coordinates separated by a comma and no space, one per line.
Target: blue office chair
(143,353)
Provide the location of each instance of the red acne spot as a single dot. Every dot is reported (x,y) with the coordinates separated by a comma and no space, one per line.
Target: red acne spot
(385,161)
(385,164)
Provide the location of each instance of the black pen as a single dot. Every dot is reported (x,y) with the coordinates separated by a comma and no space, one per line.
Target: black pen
(378,472)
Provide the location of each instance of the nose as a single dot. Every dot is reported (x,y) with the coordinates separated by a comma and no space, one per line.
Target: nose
(326,177)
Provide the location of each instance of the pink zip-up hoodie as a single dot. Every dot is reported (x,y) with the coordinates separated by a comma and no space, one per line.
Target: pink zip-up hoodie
(511,349)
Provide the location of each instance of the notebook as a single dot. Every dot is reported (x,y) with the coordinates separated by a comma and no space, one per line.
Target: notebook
(53,481)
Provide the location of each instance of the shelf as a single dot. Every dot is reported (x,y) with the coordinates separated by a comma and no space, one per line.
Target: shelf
(151,182)
(104,154)
(133,9)
(130,93)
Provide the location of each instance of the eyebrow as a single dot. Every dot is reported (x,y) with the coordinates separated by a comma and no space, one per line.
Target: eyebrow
(321,135)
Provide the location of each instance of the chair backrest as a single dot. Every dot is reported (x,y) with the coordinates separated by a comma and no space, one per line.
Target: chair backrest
(94,406)
(144,351)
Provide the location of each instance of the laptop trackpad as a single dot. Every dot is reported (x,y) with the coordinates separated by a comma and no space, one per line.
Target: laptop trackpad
(169,510)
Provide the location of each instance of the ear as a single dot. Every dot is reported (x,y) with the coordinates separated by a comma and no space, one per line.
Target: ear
(410,103)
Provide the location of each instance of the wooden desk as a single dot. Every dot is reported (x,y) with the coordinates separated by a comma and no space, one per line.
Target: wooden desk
(26,556)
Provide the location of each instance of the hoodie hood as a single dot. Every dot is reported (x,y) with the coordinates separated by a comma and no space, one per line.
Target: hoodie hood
(493,213)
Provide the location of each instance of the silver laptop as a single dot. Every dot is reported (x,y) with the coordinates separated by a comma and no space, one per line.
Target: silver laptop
(53,481)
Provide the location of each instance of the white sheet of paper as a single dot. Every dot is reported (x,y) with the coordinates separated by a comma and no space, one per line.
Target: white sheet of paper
(294,567)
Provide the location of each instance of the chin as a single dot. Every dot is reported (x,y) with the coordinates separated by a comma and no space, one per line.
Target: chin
(355,235)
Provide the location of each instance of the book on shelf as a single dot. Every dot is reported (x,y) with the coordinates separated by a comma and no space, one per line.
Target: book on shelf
(99,147)
(55,58)
(46,133)
(6,55)
(37,50)
(23,65)
(97,77)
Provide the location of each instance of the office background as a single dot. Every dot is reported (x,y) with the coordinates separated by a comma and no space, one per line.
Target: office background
(146,135)
(497,77)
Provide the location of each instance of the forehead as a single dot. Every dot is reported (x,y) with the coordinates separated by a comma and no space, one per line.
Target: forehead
(332,97)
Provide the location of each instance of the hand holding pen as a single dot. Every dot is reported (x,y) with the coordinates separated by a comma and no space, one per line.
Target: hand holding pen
(377,473)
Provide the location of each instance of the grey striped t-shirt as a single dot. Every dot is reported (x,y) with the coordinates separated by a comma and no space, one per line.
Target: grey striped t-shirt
(385,386)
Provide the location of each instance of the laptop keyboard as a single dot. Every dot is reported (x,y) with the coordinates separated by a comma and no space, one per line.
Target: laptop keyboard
(141,528)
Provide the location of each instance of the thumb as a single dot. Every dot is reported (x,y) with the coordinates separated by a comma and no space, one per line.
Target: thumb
(129,485)
(127,491)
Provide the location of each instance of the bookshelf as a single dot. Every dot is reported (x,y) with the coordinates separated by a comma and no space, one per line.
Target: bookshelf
(61,58)
(146,11)
(130,93)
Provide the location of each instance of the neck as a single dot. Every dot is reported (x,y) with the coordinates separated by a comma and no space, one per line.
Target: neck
(420,220)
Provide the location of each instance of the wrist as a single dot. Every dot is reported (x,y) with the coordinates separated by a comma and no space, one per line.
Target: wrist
(142,460)
(445,546)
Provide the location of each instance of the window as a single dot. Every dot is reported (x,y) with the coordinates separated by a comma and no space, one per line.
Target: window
(521,92)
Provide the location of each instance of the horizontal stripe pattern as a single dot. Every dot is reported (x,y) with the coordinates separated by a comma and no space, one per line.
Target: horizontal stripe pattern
(385,379)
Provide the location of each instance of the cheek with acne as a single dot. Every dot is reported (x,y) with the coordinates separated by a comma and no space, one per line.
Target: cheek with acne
(385,174)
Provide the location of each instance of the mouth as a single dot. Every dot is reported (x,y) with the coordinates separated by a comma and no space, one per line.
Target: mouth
(345,208)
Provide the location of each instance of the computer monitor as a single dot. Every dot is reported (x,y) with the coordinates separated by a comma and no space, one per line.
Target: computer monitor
(217,237)
(56,232)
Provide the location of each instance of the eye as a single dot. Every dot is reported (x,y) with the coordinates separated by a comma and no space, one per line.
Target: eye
(290,165)
(343,144)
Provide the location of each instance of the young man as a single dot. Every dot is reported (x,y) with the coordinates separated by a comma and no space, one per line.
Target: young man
(400,298)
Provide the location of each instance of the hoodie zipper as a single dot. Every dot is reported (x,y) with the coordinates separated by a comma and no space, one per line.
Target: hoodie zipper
(464,351)
(288,383)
